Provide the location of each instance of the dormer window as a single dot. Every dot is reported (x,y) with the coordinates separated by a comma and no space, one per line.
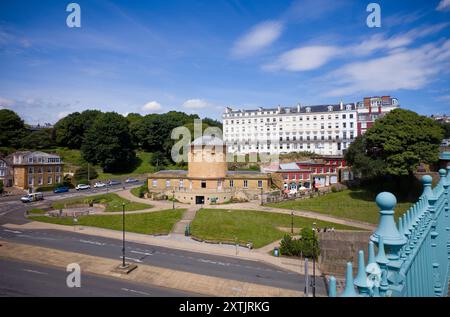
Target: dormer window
(308,109)
(349,107)
(330,108)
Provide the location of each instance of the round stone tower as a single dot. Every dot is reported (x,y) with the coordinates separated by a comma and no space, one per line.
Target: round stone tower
(207,158)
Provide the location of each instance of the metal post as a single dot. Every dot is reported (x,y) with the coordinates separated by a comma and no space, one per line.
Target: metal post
(306,278)
(314,261)
(173,199)
(262,202)
(292,222)
(123,234)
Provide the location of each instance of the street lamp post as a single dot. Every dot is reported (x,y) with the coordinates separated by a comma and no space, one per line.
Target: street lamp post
(292,222)
(123,235)
(173,199)
(314,261)
(262,202)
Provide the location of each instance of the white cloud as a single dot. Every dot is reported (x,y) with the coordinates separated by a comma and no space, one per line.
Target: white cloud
(195,104)
(404,69)
(444,5)
(152,106)
(4,102)
(259,37)
(304,58)
(63,114)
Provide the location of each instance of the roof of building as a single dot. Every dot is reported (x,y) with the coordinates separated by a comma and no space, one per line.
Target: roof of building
(289,166)
(445,156)
(303,109)
(34,153)
(208,140)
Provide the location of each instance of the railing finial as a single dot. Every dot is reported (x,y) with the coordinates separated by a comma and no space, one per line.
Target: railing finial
(387,229)
(332,287)
(361,277)
(381,258)
(349,290)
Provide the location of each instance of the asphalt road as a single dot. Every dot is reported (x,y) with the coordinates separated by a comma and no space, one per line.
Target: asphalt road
(211,265)
(29,279)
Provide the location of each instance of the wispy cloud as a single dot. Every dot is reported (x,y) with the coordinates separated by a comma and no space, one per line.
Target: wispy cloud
(152,106)
(195,104)
(405,69)
(303,58)
(5,102)
(444,5)
(259,37)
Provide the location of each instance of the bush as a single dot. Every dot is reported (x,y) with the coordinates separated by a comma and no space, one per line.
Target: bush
(306,246)
(1,186)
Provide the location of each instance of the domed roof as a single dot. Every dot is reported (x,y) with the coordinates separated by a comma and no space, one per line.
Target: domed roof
(208,140)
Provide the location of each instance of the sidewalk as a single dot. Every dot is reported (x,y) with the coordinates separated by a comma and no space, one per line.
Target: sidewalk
(179,242)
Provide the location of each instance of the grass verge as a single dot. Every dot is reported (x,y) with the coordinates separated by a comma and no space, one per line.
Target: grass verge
(113,202)
(350,204)
(158,222)
(258,227)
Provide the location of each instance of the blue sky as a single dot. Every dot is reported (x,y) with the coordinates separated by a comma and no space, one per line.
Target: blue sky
(200,56)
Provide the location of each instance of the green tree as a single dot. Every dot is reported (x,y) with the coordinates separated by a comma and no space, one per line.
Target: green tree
(309,243)
(82,173)
(70,130)
(108,143)
(396,144)
(12,129)
(1,186)
(40,139)
(286,245)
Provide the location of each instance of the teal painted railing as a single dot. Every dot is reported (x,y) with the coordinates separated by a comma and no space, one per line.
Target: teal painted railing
(413,255)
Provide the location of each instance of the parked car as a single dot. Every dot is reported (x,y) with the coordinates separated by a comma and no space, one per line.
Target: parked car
(32,197)
(99,185)
(82,187)
(131,180)
(61,190)
(113,182)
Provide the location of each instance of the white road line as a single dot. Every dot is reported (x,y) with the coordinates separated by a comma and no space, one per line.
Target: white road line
(139,252)
(132,259)
(134,291)
(12,231)
(33,271)
(91,242)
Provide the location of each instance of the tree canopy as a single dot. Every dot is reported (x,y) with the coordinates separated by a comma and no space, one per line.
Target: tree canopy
(395,145)
(108,142)
(70,130)
(12,129)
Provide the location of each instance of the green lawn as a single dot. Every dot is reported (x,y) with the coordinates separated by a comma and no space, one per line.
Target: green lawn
(259,227)
(36,211)
(351,204)
(112,201)
(159,222)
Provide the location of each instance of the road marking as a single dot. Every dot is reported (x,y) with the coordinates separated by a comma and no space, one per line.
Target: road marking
(139,252)
(132,259)
(134,291)
(12,231)
(33,271)
(92,242)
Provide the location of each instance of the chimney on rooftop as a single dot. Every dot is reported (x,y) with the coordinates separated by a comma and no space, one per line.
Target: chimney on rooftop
(299,107)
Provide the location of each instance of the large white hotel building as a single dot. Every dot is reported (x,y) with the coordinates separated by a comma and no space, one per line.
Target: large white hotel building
(323,129)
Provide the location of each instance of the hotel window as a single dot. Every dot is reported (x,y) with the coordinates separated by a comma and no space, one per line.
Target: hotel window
(49,169)
(168,183)
(30,180)
(260,184)
(181,183)
(40,182)
(58,179)
(231,183)
(154,182)
(203,184)
(40,170)
(30,170)
(49,180)
(245,183)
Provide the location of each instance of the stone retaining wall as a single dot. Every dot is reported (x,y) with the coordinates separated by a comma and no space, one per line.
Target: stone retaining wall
(339,247)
